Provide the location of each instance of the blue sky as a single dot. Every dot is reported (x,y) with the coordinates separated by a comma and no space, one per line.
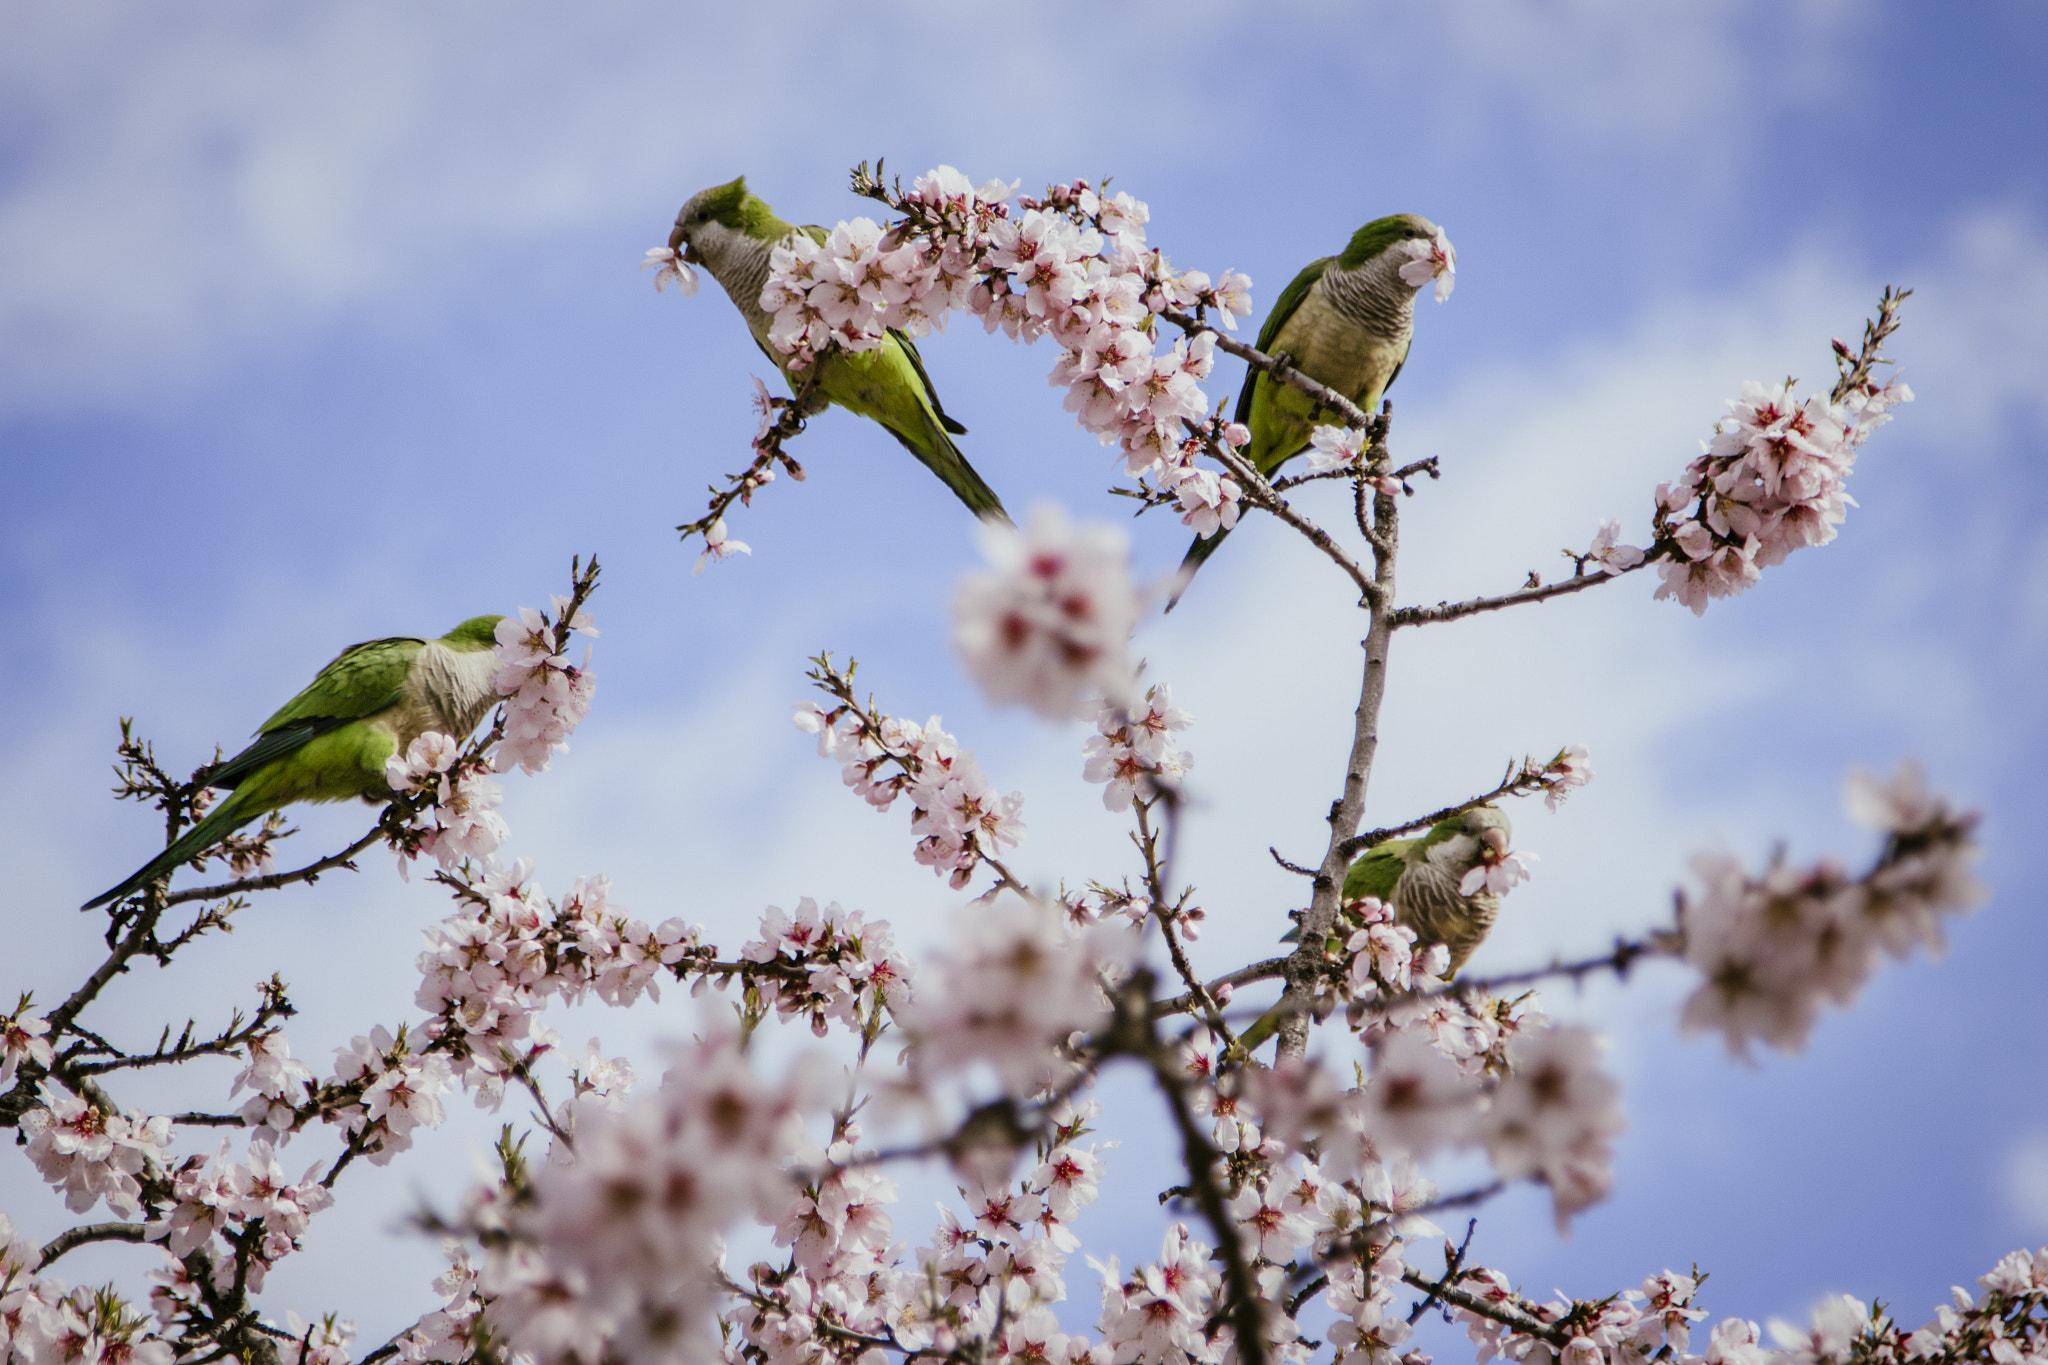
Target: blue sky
(323,324)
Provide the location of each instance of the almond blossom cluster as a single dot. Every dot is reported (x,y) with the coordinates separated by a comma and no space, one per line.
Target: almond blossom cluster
(1017,981)
(1547,1112)
(546,696)
(616,1255)
(829,964)
(990,1275)
(251,1207)
(841,1282)
(43,1322)
(1570,770)
(1651,1322)
(24,1295)
(1769,483)
(92,1153)
(1133,749)
(460,820)
(491,968)
(1773,947)
(449,1333)
(400,1089)
(1164,1311)
(957,815)
(1447,1071)
(278,1084)
(1379,958)
(1072,265)
(1049,622)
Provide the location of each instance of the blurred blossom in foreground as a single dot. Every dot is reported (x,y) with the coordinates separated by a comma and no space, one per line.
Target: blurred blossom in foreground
(1050,621)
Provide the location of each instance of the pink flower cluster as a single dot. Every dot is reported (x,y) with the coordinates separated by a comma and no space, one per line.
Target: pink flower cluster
(956,813)
(992,1275)
(1772,948)
(44,1322)
(92,1153)
(829,964)
(1049,622)
(546,696)
(490,969)
(1653,1322)
(1072,265)
(401,1091)
(462,820)
(1571,769)
(216,1197)
(1017,980)
(448,1334)
(1380,962)
(1446,1073)
(278,1084)
(1769,483)
(1164,1311)
(1133,750)
(615,1254)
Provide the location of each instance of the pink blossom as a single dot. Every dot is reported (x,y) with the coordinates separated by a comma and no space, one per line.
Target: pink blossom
(546,695)
(1051,620)
(1335,447)
(1607,554)
(1015,981)
(1133,750)
(22,1039)
(670,267)
(1554,1116)
(1435,259)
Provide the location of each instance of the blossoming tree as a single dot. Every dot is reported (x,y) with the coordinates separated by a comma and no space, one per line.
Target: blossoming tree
(1301,1171)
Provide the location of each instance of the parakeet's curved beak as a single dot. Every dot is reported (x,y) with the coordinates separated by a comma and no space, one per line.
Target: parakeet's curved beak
(678,244)
(1495,838)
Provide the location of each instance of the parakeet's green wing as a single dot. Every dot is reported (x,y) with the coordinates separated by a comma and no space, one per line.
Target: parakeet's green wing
(1377,870)
(1283,309)
(360,681)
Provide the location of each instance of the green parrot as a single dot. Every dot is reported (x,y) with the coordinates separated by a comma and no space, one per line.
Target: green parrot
(1419,878)
(330,742)
(1345,322)
(731,232)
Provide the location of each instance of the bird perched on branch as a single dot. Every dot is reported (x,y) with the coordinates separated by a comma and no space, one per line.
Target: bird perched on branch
(330,742)
(1421,879)
(1345,322)
(731,232)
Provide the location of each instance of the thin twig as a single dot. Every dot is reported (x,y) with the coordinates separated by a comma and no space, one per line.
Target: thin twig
(1452,611)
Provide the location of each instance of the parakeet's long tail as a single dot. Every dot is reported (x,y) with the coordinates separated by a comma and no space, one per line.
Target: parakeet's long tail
(938,454)
(224,819)
(1198,552)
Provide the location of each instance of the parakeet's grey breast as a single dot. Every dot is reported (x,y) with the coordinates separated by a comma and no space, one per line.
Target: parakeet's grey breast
(1374,296)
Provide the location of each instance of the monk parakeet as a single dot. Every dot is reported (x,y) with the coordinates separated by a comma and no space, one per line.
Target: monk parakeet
(330,742)
(1344,322)
(1420,877)
(731,232)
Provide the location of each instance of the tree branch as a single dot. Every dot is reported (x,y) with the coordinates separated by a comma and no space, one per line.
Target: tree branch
(1451,611)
